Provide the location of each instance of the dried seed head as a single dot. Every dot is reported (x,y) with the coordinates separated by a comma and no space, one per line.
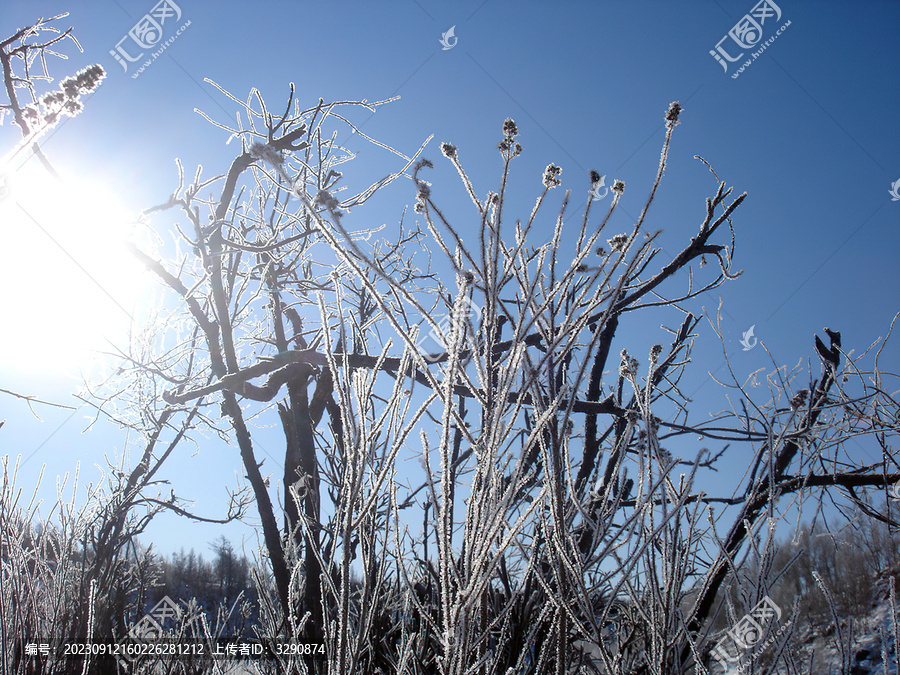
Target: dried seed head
(53,98)
(799,400)
(618,186)
(618,242)
(326,199)
(266,153)
(510,130)
(423,193)
(84,81)
(89,78)
(449,150)
(628,366)
(595,177)
(672,114)
(551,176)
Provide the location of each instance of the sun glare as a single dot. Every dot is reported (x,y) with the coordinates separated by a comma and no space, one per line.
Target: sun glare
(69,286)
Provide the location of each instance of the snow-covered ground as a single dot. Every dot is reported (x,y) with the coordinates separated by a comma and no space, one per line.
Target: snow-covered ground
(872,649)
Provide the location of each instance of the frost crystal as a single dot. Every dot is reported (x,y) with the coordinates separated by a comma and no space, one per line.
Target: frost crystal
(266,153)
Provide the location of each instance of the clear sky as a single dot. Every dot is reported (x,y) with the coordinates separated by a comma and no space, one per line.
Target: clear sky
(809,130)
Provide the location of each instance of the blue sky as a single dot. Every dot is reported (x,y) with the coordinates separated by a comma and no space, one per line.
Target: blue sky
(809,131)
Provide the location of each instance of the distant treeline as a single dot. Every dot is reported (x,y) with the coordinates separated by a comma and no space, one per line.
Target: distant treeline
(222,585)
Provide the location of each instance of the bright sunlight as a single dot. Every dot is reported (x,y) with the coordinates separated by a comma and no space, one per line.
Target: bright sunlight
(70,285)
